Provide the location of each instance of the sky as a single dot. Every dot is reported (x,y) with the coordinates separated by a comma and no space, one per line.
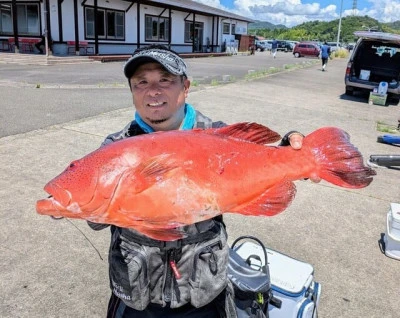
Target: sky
(294,12)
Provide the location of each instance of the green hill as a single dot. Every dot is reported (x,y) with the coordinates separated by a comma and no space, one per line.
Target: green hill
(394,25)
(265,25)
(327,31)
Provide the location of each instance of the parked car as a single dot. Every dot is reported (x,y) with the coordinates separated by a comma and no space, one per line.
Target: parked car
(284,46)
(334,46)
(374,59)
(349,46)
(306,49)
(263,45)
(292,43)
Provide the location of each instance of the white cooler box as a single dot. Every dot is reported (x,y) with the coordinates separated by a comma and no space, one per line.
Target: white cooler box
(292,282)
(392,235)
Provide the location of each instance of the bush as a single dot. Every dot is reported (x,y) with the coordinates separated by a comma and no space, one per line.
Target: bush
(341,53)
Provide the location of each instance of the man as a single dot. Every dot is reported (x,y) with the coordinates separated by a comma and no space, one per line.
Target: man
(42,42)
(184,278)
(325,52)
(274,47)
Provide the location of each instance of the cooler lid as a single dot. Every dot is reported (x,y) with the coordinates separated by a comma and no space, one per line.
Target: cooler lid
(395,209)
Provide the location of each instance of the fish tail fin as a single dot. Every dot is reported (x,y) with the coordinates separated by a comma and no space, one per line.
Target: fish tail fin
(338,161)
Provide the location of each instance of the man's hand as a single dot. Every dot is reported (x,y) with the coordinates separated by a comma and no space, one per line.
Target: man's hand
(296,142)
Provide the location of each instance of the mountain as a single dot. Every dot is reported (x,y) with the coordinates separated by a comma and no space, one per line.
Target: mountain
(326,30)
(265,25)
(394,25)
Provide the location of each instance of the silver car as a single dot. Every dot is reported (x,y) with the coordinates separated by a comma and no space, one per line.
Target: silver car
(374,59)
(263,45)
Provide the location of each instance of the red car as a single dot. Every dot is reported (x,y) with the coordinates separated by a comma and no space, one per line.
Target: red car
(306,49)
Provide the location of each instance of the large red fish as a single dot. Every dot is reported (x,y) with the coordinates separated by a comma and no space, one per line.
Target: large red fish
(156,183)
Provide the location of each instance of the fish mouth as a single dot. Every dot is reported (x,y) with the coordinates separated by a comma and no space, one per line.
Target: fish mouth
(49,206)
(58,199)
(62,196)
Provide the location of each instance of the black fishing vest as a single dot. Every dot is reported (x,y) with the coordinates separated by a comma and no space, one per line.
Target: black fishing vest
(191,270)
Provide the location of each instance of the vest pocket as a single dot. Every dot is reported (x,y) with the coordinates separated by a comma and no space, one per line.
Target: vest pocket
(129,275)
(209,271)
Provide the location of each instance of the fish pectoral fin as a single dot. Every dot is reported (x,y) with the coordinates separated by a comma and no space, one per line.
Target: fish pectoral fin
(251,132)
(151,171)
(158,166)
(271,202)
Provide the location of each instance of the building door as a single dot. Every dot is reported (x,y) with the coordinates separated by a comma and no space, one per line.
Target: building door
(198,37)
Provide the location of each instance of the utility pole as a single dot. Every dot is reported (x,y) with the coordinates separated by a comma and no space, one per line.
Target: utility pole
(354,7)
(46,36)
(340,24)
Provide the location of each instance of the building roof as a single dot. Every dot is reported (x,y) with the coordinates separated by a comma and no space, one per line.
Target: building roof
(196,7)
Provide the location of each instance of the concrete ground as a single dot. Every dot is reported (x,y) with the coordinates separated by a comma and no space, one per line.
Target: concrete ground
(58,268)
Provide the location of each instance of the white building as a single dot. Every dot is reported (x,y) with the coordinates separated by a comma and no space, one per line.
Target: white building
(118,26)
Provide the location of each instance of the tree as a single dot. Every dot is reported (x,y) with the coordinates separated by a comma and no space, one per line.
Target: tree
(327,31)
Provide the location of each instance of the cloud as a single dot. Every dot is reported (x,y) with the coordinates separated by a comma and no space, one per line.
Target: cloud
(286,9)
(289,13)
(294,12)
(213,3)
(383,10)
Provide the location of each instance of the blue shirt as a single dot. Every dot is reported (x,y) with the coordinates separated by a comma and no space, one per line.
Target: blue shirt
(325,51)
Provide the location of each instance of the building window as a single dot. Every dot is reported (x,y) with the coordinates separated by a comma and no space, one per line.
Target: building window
(27,19)
(225,28)
(6,25)
(189,30)
(157,28)
(110,24)
(233,29)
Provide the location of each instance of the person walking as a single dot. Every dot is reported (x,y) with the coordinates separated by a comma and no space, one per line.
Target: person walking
(274,47)
(151,278)
(325,53)
(42,43)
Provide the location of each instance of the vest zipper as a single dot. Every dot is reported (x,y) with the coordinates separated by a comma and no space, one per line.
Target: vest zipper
(212,262)
(169,276)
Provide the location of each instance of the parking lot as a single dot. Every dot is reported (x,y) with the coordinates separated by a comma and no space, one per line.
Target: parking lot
(58,268)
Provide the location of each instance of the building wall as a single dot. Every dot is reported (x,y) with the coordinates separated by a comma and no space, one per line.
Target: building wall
(126,46)
(53,12)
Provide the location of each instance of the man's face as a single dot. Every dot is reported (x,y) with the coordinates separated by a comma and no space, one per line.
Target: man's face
(159,96)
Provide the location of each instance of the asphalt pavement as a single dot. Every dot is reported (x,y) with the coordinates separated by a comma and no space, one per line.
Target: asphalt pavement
(40,96)
(58,268)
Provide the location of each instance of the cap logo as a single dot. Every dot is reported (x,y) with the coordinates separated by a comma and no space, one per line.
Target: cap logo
(169,60)
(156,54)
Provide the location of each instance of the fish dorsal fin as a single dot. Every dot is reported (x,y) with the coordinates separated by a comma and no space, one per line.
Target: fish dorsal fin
(153,170)
(271,202)
(251,132)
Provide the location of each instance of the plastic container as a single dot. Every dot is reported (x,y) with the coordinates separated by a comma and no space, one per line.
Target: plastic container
(382,88)
(377,99)
(392,235)
(292,281)
(395,219)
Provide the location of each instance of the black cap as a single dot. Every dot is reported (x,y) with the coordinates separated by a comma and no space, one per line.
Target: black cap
(171,61)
